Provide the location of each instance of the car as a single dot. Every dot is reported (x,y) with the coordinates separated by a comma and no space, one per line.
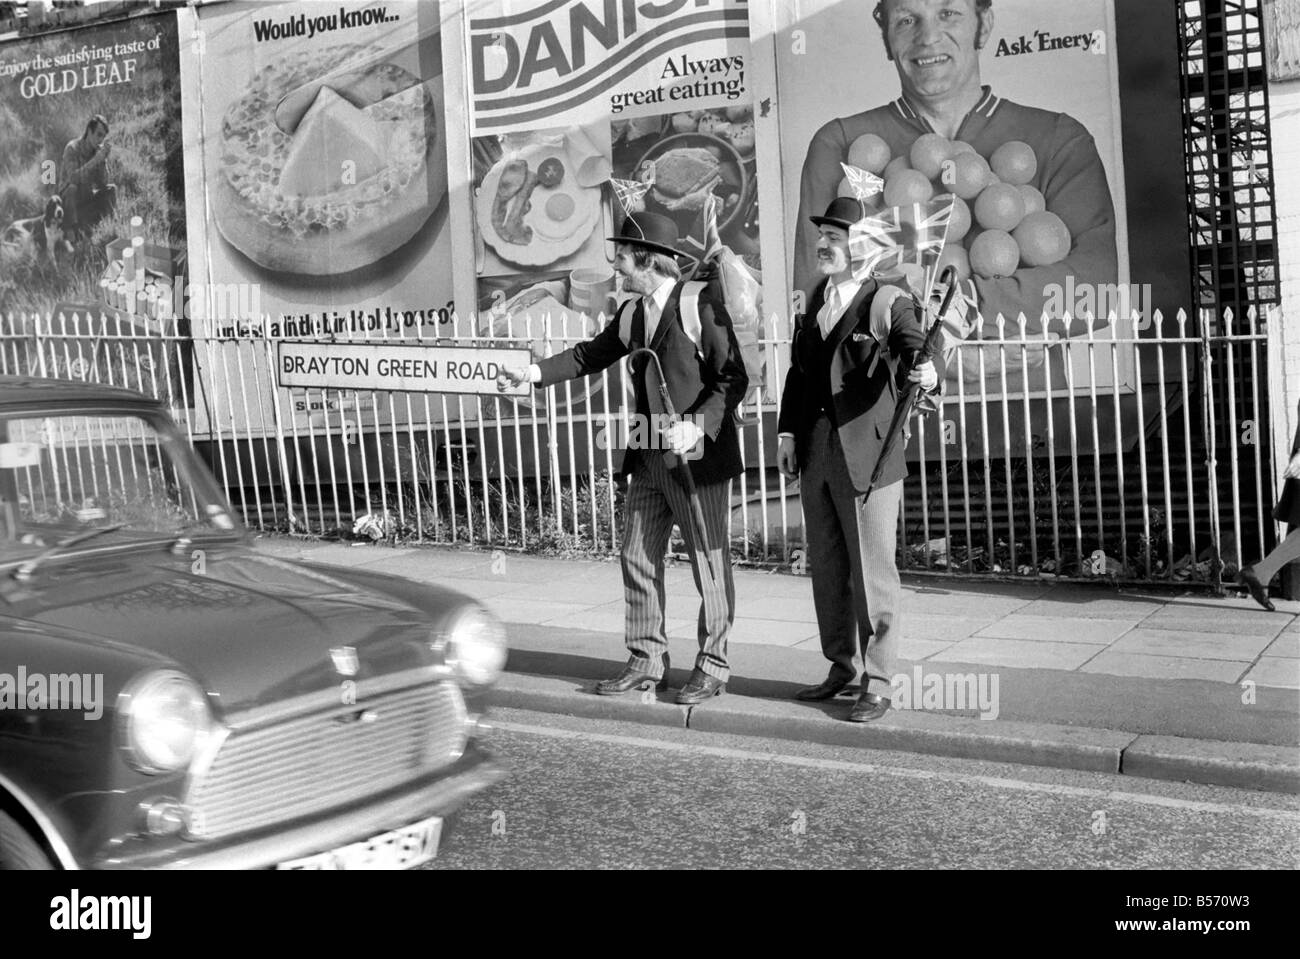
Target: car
(171,697)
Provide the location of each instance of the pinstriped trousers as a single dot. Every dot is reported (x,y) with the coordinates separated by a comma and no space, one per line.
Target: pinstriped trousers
(656,500)
(851,542)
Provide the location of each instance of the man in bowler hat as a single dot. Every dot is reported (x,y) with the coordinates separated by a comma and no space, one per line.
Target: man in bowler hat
(836,409)
(706,380)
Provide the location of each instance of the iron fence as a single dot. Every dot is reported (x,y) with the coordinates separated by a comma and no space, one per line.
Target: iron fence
(1133,452)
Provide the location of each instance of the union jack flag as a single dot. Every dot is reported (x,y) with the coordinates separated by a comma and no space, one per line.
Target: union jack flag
(902,241)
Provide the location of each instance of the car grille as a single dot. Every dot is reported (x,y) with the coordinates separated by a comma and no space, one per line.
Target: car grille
(306,764)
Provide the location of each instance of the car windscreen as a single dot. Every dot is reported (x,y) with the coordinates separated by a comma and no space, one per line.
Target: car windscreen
(65,474)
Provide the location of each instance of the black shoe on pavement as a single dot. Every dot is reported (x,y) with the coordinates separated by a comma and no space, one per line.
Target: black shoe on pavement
(633,676)
(1257,589)
(700,687)
(827,689)
(868,708)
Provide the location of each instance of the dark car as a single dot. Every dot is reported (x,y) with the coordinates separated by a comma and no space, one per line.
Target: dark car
(169,697)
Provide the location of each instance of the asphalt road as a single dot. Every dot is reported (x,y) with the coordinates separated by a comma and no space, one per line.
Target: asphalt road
(593,794)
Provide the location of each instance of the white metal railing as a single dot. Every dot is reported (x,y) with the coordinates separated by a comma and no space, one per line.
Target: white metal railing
(1121,474)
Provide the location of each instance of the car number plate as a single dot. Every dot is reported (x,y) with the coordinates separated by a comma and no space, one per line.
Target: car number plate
(400,849)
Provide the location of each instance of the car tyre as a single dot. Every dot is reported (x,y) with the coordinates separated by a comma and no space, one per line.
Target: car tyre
(17,848)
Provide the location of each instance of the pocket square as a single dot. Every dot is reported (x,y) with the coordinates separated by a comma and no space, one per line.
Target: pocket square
(861,337)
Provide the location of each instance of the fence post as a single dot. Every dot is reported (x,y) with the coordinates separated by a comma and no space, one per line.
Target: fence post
(1209,438)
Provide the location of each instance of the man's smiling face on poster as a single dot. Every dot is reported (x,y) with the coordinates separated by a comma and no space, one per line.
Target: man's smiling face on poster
(935,43)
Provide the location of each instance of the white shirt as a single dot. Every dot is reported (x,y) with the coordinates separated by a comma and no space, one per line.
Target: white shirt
(832,310)
(654,307)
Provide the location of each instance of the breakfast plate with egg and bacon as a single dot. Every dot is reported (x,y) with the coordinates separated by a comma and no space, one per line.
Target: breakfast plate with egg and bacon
(532,210)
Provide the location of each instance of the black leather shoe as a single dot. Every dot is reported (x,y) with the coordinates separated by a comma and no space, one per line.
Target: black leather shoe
(827,689)
(1257,589)
(632,677)
(700,687)
(868,708)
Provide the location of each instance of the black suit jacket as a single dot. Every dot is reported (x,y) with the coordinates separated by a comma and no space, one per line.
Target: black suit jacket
(707,385)
(864,386)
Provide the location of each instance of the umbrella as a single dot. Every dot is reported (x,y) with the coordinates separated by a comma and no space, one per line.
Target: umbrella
(905,403)
(680,469)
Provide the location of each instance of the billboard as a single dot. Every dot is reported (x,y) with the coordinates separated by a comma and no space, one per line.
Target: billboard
(320,195)
(92,202)
(580,110)
(1012,107)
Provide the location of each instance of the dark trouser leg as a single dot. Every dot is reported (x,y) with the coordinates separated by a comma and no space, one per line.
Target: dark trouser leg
(647,524)
(829,552)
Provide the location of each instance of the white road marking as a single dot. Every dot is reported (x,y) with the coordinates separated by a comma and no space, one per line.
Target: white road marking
(997,782)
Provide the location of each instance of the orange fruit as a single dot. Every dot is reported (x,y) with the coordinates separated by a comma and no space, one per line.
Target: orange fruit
(966,174)
(928,154)
(844,189)
(961,146)
(1014,162)
(1034,202)
(954,254)
(894,167)
(907,187)
(869,152)
(994,253)
(1000,207)
(960,223)
(1043,238)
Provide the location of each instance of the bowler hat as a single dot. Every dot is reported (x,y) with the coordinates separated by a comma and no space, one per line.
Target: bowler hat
(843,212)
(650,230)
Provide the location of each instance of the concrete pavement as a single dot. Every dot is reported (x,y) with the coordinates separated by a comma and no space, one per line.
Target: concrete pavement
(1184,687)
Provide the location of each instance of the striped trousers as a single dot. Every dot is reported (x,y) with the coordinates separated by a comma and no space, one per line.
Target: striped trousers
(655,501)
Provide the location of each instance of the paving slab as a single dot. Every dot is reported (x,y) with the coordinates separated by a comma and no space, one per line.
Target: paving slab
(482,589)
(1287,644)
(1019,652)
(1074,606)
(1191,645)
(766,632)
(512,609)
(913,648)
(1276,671)
(937,627)
(1209,617)
(790,609)
(612,618)
(1056,629)
(1117,663)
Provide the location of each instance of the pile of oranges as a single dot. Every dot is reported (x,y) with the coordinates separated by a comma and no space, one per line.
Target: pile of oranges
(999,222)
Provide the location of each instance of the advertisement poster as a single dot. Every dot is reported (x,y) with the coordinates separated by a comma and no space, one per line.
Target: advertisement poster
(322,204)
(579,111)
(1013,107)
(92,204)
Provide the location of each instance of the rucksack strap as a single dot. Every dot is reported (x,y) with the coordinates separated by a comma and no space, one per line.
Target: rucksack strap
(624,320)
(689,309)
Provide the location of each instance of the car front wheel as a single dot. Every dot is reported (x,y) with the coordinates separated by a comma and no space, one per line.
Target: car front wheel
(17,849)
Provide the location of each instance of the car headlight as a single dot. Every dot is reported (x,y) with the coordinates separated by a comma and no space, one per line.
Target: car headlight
(164,721)
(475,646)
